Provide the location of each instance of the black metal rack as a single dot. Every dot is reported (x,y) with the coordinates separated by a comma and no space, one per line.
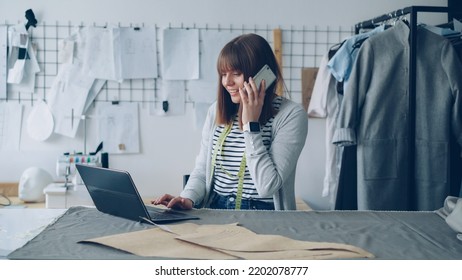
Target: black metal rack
(413,14)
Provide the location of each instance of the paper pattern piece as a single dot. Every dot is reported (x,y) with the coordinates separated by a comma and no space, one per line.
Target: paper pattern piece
(205,89)
(232,241)
(180,56)
(3,60)
(10,126)
(22,62)
(72,49)
(101,58)
(120,53)
(73,90)
(18,42)
(68,96)
(212,43)
(158,243)
(93,92)
(138,52)
(40,123)
(119,128)
(31,68)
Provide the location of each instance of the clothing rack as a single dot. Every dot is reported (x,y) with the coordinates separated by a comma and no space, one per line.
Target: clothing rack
(413,13)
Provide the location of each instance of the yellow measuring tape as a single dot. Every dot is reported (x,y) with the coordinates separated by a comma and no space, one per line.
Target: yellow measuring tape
(219,148)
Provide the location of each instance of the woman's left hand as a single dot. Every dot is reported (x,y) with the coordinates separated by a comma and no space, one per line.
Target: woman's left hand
(252,100)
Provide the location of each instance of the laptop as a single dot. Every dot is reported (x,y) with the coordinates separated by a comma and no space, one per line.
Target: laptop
(114,192)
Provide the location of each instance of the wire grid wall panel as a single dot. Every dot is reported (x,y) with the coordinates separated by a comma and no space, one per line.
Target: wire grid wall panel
(301,47)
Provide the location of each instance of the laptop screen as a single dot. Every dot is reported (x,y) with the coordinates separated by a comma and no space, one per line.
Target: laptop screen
(113,192)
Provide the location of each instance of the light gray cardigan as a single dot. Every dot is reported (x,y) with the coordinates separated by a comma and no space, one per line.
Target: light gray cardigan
(273,170)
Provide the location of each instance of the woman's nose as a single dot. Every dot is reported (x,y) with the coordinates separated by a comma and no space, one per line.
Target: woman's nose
(228,80)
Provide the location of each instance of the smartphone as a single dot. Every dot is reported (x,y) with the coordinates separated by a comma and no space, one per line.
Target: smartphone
(264,74)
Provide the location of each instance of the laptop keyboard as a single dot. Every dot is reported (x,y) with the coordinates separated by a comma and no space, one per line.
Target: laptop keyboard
(161,214)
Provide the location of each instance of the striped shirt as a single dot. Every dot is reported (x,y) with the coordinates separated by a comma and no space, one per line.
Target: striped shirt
(228,160)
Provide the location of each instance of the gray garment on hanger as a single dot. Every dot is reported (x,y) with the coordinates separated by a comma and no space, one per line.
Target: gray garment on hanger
(374,116)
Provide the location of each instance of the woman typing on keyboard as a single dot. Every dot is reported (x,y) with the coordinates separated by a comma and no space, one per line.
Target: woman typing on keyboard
(251,140)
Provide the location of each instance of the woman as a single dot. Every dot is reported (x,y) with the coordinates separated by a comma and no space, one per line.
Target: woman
(251,138)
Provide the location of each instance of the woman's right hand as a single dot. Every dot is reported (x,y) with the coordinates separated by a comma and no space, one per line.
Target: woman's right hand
(171,201)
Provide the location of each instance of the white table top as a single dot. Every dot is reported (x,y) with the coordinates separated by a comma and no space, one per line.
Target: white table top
(19,225)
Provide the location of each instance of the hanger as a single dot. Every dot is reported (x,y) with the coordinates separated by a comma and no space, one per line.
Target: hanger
(333,49)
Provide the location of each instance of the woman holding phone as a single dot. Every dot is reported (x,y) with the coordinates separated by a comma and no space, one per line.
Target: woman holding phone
(251,140)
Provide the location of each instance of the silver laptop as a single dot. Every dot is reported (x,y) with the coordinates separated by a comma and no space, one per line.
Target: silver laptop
(114,192)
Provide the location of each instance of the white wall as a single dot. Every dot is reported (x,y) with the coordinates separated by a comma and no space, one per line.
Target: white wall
(169,145)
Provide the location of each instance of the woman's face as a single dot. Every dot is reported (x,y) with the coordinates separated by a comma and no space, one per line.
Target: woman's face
(232,81)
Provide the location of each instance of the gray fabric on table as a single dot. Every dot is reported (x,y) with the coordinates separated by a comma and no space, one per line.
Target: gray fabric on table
(386,234)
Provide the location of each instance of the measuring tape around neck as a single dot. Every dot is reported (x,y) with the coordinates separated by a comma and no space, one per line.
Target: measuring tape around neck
(219,148)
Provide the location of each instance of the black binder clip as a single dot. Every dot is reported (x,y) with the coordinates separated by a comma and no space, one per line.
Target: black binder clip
(31,20)
(165,106)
